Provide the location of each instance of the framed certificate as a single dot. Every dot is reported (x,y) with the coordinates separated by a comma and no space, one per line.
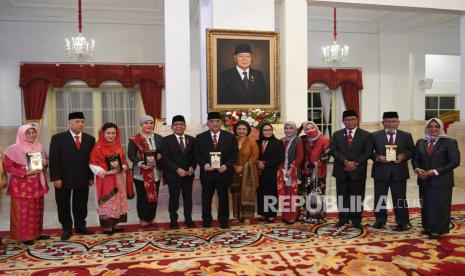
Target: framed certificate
(114,163)
(34,161)
(150,158)
(215,160)
(391,153)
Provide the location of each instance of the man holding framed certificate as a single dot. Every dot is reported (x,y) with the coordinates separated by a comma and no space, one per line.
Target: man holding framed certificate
(215,151)
(392,149)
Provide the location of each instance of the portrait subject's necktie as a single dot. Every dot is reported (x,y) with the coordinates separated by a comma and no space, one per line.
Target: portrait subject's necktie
(391,137)
(349,138)
(245,80)
(430,147)
(181,144)
(215,141)
(77,139)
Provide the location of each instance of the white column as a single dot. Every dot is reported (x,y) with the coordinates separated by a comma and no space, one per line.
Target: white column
(177,59)
(293,31)
(462,69)
(205,22)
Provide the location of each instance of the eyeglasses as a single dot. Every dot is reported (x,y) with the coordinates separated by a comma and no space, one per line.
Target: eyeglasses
(267,129)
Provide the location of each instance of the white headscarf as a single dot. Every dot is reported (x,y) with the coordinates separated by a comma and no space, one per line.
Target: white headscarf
(442,133)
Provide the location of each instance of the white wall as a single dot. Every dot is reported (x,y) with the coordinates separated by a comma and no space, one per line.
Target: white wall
(44,42)
(243,14)
(445,72)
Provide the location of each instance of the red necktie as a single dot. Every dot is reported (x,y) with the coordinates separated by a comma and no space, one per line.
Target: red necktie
(181,144)
(78,141)
(349,138)
(215,141)
(391,137)
(264,143)
(430,147)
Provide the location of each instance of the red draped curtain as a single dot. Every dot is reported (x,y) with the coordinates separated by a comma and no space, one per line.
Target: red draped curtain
(151,97)
(35,95)
(35,78)
(350,81)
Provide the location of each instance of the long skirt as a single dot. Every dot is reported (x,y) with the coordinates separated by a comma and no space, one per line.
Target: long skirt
(26,218)
(114,210)
(146,210)
(314,209)
(435,209)
(289,208)
(241,211)
(267,199)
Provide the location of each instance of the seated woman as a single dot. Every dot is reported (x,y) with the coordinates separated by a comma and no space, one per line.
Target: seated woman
(27,186)
(245,182)
(436,157)
(113,184)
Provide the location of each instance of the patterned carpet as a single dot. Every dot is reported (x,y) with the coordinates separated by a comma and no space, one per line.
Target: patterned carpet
(257,249)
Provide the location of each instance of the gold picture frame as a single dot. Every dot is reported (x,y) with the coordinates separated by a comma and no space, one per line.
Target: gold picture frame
(264,68)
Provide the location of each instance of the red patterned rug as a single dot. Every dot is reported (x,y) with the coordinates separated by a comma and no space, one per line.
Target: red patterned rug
(257,249)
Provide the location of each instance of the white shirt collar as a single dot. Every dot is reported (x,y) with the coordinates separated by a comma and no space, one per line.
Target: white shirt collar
(177,136)
(74,134)
(240,71)
(217,134)
(353,131)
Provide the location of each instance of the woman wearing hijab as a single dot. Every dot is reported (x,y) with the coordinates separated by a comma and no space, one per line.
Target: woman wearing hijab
(271,155)
(314,167)
(245,182)
(113,185)
(289,172)
(436,156)
(3,179)
(26,187)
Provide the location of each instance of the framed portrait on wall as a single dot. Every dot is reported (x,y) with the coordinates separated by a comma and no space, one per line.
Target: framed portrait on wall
(242,70)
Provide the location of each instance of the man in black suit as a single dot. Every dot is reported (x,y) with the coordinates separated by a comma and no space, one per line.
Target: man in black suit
(177,152)
(351,148)
(390,173)
(70,173)
(242,84)
(207,143)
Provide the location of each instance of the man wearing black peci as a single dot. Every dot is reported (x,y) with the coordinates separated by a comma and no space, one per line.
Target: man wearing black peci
(177,152)
(71,175)
(392,149)
(351,148)
(215,175)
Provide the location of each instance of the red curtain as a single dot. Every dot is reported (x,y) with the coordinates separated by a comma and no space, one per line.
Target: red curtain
(151,97)
(351,96)
(35,95)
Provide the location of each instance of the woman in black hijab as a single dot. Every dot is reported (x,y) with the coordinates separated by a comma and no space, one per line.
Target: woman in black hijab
(270,157)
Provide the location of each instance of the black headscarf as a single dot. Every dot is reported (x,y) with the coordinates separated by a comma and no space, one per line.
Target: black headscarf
(244,123)
(262,137)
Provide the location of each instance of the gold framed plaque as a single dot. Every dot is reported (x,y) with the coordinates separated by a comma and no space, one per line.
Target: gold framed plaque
(391,153)
(215,160)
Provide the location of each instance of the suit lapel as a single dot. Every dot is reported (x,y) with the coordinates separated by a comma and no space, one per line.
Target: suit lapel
(70,139)
(345,144)
(436,146)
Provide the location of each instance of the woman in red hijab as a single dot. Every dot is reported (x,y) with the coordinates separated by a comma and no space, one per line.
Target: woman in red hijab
(26,187)
(316,147)
(113,185)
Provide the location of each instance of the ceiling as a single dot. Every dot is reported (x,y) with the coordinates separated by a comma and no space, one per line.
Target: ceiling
(151,12)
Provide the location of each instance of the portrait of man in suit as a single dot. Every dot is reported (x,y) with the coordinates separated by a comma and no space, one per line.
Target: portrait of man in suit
(242,84)
(242,70)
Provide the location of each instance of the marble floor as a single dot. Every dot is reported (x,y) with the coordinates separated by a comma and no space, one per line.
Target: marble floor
(51,217)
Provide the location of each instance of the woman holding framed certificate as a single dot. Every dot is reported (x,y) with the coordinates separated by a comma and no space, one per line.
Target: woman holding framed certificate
(113,182)
(25,161)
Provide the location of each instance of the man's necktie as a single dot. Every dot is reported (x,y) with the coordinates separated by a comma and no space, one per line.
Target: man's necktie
(181,144)
(215,141)
(349,138)
(245,80)
(430,147)
(391,137)
(78,141)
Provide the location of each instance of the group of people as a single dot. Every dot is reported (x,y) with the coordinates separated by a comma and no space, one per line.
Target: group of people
(261,176)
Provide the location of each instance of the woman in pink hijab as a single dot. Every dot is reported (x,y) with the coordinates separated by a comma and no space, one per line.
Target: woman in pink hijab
(26,187)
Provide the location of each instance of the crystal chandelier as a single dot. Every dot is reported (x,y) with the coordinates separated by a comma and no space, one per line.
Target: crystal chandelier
(334,55)
(78,48)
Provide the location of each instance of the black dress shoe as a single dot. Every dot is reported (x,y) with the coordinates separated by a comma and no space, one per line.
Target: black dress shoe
(224,225)
(357,226)
(288,222)
(341,223)
(424,232)
(43,237)
(108,232)
(206,224)
(28,242)
(190,224)
(434,236)
(84,231)
(117,230)
(66,235)
(378,225)
(174,225)
(401,228)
